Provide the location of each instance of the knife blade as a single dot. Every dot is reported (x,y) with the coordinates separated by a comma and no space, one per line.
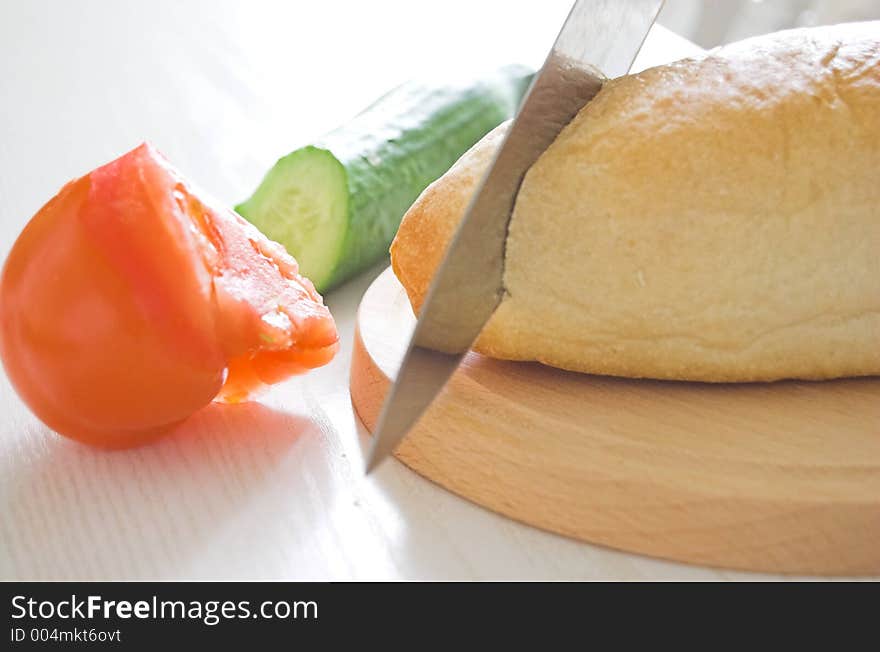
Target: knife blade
(598,35)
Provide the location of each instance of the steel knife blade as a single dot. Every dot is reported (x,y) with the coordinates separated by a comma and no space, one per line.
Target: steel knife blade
(598,37)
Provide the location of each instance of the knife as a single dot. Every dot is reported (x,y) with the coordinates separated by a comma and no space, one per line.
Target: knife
(598,35)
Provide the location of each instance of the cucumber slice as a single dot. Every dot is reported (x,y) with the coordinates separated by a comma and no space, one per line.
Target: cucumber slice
(336,205)
(303,204)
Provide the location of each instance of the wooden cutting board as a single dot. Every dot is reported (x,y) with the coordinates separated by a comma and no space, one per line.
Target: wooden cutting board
(781,477)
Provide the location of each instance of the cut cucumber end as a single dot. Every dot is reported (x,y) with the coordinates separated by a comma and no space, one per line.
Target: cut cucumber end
(303,204)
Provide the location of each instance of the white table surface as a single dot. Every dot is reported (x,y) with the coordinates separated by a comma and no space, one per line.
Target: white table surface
(274,489)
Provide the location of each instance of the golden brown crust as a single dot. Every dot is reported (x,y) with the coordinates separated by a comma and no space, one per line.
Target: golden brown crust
(715,219)
(430,222)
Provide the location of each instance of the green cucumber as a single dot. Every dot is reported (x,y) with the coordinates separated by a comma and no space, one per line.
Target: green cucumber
(336,205)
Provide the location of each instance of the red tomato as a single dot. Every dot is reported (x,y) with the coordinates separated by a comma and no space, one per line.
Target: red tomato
(128,302)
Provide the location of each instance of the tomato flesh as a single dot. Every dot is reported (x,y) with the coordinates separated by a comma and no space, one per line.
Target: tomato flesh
(129,301)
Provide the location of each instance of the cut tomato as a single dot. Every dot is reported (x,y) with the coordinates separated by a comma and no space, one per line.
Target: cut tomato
(129,302)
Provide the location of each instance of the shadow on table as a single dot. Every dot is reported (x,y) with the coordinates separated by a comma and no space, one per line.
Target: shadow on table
(150,498)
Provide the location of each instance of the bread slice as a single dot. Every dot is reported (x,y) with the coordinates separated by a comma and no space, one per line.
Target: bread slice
(715,219)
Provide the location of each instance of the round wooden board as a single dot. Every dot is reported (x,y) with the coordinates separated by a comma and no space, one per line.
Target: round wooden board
(782,477)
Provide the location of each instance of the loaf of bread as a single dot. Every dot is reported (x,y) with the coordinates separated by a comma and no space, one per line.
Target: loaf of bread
(715,219)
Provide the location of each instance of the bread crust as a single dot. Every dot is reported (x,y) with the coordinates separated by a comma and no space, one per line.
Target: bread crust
(716,219)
